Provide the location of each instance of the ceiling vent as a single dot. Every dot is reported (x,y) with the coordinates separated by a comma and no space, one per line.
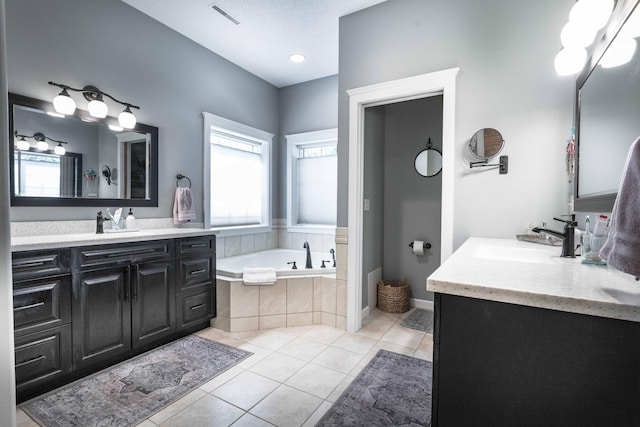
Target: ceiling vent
(225,14)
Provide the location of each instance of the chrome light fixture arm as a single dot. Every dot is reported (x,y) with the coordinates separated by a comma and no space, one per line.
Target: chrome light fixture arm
(92,93)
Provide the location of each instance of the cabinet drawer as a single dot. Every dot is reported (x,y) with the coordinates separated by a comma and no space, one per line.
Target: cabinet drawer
(196,271)
(121,254)
(196,308)
(32,264)
(42,357)
(41,304)
(196,245)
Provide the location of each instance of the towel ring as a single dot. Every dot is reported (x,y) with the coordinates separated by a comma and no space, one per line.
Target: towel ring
(179,177)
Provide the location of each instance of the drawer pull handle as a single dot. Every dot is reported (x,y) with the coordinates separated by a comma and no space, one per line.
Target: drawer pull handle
(34,262)
(195,307)
(198,245)
(194,272)
(27,307)
(29,361)
(128,252)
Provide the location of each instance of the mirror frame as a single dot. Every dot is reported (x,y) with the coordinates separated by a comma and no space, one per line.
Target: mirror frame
(427,151)
(485,158)
(604,202)
(152,201)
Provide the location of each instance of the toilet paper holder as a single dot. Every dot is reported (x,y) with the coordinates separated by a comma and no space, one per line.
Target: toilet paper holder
(425,245)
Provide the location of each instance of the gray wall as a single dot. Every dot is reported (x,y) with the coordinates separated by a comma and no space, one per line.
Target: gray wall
(505,52)
(304,107)
(412,203)
(374,176)
(7,372)
(120,50)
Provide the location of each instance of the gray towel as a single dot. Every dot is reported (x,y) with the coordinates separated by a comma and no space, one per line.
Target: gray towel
(183,210)
(622,248)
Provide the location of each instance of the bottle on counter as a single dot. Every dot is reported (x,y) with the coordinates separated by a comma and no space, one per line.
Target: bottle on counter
(130,222)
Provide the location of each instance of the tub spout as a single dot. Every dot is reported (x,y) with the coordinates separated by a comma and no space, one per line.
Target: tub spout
(308,264)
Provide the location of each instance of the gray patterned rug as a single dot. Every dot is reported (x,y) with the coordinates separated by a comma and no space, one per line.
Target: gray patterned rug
(419,319)
(392,390)
(128,393)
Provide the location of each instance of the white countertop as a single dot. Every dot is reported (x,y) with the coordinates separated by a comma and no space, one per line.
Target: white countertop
(535,275)
(83,239)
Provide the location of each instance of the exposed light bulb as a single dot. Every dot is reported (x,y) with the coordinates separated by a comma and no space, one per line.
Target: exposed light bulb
(115,128)
(296,57)
(575,35)
(23,144)
(64,104)
(593,13)
(619,53)
(59,149)
(54,114)
(126,119)
(42,145)
(97,108)
(570,61)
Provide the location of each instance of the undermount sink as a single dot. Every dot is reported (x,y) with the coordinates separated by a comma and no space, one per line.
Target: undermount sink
(514,254)
(121,230)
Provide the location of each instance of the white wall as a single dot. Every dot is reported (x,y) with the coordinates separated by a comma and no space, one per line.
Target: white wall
(505,51)
(7,372)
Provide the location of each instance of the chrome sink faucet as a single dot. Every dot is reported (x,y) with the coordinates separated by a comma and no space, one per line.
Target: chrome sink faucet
(567,236)
(99,223)
(308,263)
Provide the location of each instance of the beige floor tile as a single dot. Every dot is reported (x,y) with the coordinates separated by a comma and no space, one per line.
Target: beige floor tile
(424,355)
(376,328)
(271,340)
(317,414)
(248,420)
(322,334)
(337,359)
(335,394)
(286,407)
(316,380)
(208,411)
(24,420)
(177,406)
(221,379)
(229,341)
(259,353)
(277,366)
(295,330)
(303,349)
(396,348)
(210,334)
(245,390)
(403,336)
(145,423)
(354,342)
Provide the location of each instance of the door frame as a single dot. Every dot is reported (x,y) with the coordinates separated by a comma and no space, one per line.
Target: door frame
(421,86)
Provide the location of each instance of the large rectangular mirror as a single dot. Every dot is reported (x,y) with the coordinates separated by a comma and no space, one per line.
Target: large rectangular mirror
(100,164)
(607,116)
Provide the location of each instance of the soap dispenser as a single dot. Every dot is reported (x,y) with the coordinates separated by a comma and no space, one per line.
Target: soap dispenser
(131,220)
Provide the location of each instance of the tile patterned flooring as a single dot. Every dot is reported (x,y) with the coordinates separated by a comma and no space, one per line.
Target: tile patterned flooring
(293,377)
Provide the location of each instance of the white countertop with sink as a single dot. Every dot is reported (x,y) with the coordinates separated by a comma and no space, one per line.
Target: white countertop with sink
(535,275)
(27,243)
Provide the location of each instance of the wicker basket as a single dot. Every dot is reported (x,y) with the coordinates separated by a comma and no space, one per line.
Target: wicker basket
(393,296)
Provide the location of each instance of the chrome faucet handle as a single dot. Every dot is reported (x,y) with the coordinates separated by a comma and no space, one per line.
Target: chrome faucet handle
(323,261)
(295,267)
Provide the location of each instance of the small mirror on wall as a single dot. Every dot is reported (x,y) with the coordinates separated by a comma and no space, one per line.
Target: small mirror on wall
(486,143)
(428,162)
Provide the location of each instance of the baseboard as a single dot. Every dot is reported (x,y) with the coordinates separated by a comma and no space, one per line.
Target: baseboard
(365,312)
(421,303)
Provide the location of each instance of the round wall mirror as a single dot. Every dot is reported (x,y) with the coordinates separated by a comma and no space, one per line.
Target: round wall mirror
(428,162)
(486,143)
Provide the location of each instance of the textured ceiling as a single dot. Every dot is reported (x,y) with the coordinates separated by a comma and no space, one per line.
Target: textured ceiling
(268,33)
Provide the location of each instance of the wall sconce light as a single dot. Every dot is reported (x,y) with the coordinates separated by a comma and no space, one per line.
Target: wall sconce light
(64,104)
(41,143)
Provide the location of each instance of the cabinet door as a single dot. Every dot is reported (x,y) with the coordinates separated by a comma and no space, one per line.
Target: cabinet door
(153,301)
(101,315)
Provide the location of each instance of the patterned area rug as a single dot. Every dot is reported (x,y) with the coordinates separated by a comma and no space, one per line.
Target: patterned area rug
(419,319)
(392,390)
(136,389)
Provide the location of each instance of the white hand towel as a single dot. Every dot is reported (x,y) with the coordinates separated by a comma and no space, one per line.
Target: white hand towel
(259,276)
(183,209)
(622,248)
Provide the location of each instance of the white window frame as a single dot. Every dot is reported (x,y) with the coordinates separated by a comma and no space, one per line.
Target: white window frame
(294,141)
(211,121)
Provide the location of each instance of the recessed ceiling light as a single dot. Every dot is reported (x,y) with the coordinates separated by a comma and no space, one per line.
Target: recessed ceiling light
(296,57)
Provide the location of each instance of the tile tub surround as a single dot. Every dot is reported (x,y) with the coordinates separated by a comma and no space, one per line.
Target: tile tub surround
(491,269)
(291,302)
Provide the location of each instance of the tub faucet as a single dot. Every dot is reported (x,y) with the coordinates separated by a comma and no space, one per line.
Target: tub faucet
(333,255)
(308,263)
(567,236)
(99,223)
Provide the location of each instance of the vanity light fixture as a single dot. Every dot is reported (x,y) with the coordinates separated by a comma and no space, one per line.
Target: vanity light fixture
(619,53)
(116,128)
(570,60)
(23,144)
(41,143)
(591,13)
(64,104)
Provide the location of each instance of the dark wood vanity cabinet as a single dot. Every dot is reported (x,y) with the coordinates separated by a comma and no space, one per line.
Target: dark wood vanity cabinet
(82,309)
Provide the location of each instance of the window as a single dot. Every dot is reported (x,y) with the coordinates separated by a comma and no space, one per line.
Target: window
(312,179)
(237,175)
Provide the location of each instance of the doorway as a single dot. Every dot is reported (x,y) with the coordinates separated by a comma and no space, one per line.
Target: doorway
(422,86)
